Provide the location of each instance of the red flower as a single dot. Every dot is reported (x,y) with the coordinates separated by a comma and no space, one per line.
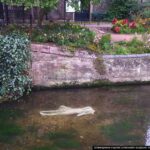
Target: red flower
(114,21)
(132,24)
(125,21)
(117,29)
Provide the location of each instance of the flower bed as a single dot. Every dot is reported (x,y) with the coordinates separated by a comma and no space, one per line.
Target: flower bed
(64,34)
(126,26)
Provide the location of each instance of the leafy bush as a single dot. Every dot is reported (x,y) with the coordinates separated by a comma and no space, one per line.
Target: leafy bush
(146,13)
(64,34)
(14,64)
(105,42)
(97,16)
(122,8)
(6,30)
(143,15)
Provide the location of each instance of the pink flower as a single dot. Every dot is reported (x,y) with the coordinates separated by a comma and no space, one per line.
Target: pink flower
(125,21)
(132,24)
(117,29)
(114,21)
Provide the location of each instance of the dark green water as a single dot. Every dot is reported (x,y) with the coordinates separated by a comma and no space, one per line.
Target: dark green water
(122,117)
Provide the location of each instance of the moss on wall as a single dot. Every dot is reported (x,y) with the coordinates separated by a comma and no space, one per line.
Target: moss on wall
(99,65)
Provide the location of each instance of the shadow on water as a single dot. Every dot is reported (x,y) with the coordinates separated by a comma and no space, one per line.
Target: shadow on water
(121,118)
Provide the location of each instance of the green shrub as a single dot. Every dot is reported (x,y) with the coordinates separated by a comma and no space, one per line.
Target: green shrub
(122,8)
(146,13)
(39,37)
(105,42)
(121,50)
(70,35)
(64,34)
(11,28)
(98,16)
(14,65)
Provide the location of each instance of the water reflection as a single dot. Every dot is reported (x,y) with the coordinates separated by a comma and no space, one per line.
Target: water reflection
(147,143)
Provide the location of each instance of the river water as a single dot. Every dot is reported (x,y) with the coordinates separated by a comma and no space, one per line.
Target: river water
(122,117)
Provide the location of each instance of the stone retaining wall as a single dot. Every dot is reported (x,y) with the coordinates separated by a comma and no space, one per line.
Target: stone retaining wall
(54,66)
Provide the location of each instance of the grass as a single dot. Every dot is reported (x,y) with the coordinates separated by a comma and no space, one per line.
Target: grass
(123,48)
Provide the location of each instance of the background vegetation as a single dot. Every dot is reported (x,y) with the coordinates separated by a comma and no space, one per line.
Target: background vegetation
(122,9)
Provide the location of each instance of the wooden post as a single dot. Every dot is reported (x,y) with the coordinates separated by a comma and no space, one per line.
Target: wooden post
(23,14)
(32,14)
(73,16)
(6,14)
(3,13)
(91,11)
(64,10)
(31,20)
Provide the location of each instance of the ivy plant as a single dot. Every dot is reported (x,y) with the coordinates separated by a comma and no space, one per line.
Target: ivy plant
(14,66)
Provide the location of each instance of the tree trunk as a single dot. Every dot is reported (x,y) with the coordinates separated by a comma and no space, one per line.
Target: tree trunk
(41,13)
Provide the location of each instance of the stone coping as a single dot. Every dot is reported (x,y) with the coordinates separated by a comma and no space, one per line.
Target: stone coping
(127,56)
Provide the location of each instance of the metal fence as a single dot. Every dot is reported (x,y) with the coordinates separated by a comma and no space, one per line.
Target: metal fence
(14,14)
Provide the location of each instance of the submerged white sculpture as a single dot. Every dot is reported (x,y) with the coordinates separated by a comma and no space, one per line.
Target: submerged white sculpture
(64,110)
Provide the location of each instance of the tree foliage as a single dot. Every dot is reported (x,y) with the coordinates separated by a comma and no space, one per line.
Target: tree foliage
(45,3)
(33,3)
(123,8)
